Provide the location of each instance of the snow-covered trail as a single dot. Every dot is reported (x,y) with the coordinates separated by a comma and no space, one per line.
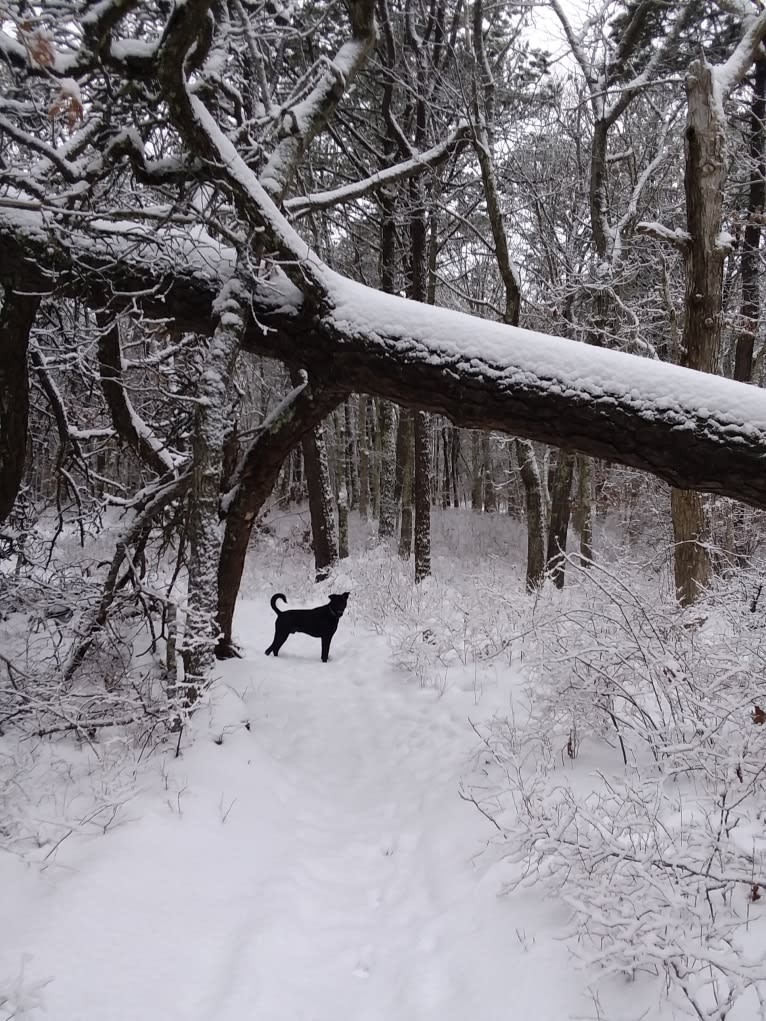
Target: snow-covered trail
(316,864)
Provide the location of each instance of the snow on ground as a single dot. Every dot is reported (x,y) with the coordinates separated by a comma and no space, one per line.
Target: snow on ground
(316,864)
(308,856)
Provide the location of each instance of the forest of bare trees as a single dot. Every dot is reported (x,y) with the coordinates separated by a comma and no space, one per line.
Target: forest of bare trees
(454,307)
(257,254)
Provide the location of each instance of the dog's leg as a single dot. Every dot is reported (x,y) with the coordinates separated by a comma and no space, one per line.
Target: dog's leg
(280,637)
(326,639)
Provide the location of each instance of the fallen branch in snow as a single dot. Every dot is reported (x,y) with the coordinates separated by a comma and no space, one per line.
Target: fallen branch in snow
(162,495)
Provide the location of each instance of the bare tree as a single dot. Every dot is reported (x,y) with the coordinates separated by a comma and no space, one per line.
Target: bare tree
(705,250)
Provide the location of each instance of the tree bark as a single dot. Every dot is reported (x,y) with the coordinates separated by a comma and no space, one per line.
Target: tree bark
(585,508)
(325,538)
(387,421)
(490,495)
(455,464)
(477,472)
(691,560)
(704,178)
(253,482)
(560,513)
(200,636)
(422,496)
(445,493)
(343,522)
(751,304)
(127,423)
(691,444)
(16,321)
(407,469)
(352,459)
(533,493)
(364,459)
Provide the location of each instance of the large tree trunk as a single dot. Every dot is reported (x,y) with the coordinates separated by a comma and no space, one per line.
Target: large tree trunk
(321,510)
(422,496)
(560,512)
(419,291)
(364,459)
(387,421)
(212,419)
(445,490)
(477,472)
(406,467)
(352,459)
(533,493)
(455,464)
(665,423)
(584,521)
(691,560)
(750,311)
(704,178)
(490,494)
(16,321)
(253,482)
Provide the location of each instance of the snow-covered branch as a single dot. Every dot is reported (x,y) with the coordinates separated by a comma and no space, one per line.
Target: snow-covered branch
(303,204)
(678,238)
(303,121)
(729,74)
(128,424)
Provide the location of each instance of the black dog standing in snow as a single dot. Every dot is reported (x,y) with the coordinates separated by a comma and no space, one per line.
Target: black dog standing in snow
(319,623)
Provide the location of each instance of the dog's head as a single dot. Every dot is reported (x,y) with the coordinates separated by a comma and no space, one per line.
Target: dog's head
(338,603)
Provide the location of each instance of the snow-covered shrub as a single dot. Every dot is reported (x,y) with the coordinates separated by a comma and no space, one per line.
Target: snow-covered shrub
(616,662)
(446,623)
(661,881)
(661,856)
(59,672)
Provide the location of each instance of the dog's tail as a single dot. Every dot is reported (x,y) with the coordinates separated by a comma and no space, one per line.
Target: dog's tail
(274,606)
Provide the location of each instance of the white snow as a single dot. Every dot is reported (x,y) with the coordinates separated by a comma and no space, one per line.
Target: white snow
(318,865)
(310,856)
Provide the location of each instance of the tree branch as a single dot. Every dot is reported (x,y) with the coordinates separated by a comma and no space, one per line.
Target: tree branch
(304,204)
(128,424)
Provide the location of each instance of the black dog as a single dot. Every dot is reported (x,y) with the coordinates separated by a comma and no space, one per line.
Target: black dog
(319,623)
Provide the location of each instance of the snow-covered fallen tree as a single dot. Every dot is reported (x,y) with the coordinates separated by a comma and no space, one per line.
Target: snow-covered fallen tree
(690,428)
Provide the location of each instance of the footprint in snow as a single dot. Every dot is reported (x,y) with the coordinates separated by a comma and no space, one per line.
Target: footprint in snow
(389,845)
(362,970)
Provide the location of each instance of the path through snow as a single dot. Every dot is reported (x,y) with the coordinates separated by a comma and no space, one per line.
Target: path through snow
(318,866)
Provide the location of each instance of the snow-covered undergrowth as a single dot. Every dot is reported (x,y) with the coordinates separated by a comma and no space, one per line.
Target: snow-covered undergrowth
(471,613)
(616,761)
(64,665)
(628,777)
(72,748)
(633,789)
